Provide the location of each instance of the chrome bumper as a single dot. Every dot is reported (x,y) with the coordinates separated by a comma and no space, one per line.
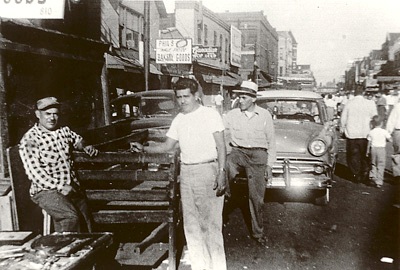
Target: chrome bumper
(307,174)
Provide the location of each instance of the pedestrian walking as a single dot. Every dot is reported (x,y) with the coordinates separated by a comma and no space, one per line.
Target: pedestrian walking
(377,138)
(381,107)
(45,150)
(393,127)
(355,125)
(200,133)
(252,138)
(330,106)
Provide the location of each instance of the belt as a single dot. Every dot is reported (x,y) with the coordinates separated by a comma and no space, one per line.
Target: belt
(202,162)
(250,148)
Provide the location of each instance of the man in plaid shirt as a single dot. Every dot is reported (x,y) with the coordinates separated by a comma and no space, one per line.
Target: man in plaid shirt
(45,150)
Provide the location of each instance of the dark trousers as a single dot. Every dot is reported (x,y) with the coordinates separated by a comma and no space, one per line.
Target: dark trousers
(357,160)
(254,161)
(67,212)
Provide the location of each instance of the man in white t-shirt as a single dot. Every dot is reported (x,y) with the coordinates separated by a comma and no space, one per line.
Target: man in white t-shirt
(200,133)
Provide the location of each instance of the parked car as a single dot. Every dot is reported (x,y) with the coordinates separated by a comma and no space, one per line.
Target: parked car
(306,142)
(146,109)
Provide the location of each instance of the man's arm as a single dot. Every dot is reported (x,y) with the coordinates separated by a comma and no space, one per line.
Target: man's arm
(271,141)
(391,122)
(88,149)
(343,118)
(220,181)
(166,146)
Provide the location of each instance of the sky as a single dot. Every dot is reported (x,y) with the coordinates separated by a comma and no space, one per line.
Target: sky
(329,33)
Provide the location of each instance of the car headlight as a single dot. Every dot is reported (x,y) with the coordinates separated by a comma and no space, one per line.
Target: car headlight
(317,147)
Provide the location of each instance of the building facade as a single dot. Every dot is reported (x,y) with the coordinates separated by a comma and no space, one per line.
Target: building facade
(259,38)
(287,53)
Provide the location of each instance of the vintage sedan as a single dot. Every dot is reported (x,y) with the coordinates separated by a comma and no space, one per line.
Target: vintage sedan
(146,109)
(306,143)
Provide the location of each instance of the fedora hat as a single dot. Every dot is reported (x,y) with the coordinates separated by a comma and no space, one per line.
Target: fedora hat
(248,88)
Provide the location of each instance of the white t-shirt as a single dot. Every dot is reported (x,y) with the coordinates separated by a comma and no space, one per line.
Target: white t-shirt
(378,137)
(194,132)
(218,99)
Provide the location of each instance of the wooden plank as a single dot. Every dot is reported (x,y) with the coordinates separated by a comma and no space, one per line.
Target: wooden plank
(6,213)
(151,258)
(116,175)
(124,157)
(138,204)
(132,216)
(114,144)
(154,236)
(28,215)
(127,195)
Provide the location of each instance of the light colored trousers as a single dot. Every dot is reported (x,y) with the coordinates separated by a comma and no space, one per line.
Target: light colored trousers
(202,216)
(378,163)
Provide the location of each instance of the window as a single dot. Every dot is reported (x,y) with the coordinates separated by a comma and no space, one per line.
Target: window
(199,33)
(215,38)
(226,51)
(131,29)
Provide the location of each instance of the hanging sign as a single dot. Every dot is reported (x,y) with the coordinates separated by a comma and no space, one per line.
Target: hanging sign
(206,52)
(32,9)
(174,51)
(236,46)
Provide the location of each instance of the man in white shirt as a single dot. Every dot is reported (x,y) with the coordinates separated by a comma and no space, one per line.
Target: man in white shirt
(200,133)
(393,127)
(355,124)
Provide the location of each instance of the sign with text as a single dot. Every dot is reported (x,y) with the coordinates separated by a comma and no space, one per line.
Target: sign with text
(202,52)
(236,46)
(174,51)
(32,9)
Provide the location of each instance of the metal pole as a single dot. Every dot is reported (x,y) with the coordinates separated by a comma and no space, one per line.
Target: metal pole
(4,142)
(106,94)
(146,61)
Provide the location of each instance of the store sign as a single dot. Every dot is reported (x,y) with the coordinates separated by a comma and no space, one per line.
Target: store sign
(202,52)
(236,46)
(32,9)
(174,51)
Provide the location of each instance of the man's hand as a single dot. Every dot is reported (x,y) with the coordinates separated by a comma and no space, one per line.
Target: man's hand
(90,150)
(66,190)
(136,147)
(220,183)
(268,173)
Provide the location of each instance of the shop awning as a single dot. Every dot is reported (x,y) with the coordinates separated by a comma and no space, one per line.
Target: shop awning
(235,76)
(21,36)
(388,78)
(116,62)
(154,70)
(222,80)
(262,81)
(129,65)
(266,76)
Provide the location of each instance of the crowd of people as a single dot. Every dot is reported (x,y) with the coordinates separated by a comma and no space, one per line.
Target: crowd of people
(368,121)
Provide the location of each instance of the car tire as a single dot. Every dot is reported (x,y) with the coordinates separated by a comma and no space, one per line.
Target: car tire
(322,197)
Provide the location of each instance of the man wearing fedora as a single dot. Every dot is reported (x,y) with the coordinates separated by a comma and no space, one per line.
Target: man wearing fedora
(252,139)
(45,150)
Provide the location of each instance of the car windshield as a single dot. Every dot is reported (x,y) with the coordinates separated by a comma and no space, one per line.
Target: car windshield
(157,105)
(292,109)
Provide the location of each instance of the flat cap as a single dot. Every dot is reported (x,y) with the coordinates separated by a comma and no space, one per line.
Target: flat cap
(46,103)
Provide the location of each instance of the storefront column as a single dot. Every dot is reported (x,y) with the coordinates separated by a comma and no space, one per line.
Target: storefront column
(4,141)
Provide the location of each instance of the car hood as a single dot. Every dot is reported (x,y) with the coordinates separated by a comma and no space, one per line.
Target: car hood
(150,122)
(294,136)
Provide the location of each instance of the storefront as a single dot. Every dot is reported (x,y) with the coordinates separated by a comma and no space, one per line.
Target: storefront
(37,62)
